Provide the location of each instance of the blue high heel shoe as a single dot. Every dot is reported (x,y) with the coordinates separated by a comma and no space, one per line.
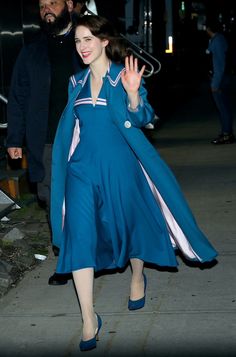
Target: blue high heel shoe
(138,304)
(92,343)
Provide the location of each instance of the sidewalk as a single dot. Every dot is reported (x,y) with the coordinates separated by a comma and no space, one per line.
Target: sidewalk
(189,313)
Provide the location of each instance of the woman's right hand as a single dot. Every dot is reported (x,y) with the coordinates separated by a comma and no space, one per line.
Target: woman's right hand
(131,77)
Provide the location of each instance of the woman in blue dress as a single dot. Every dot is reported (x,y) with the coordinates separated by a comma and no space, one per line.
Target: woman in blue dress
(114,200)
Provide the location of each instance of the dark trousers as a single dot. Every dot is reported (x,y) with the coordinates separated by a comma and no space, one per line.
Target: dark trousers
(44,187)
(222,102)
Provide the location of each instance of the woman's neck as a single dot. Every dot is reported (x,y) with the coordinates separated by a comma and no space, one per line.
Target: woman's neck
(99,69)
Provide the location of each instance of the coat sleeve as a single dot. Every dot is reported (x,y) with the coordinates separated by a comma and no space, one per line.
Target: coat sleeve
(18,101)
(144,113)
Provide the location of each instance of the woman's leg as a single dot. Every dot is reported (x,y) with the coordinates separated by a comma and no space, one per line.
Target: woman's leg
(137,282)
(84,280)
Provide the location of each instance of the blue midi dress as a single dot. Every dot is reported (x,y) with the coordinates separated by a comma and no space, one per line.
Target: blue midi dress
(111,214)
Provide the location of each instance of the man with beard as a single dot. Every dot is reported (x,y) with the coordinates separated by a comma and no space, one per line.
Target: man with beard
(38,95)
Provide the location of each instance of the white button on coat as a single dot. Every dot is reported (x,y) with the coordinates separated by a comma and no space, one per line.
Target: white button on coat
(127,124)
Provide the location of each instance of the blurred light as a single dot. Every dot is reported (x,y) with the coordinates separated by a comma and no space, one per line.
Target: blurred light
(31,26)
(170,45)
(9,33)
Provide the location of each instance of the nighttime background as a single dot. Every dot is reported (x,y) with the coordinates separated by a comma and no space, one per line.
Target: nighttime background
(184,69)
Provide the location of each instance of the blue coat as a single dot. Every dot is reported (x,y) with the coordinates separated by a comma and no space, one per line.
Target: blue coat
(129,123)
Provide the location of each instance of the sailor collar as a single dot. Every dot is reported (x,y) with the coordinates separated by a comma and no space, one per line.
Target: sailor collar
(113,75)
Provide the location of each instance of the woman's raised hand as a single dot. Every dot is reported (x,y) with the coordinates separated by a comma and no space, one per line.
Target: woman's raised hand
(131,77)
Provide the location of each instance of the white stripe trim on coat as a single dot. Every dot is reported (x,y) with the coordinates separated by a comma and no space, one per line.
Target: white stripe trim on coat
(177,236)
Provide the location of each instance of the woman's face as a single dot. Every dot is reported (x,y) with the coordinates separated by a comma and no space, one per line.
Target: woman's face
(89,47)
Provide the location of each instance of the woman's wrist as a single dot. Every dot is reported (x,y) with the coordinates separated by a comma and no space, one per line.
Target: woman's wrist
(137,107)
(134,100)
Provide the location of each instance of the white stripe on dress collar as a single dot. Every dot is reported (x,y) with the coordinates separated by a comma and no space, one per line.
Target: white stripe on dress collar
(114,82)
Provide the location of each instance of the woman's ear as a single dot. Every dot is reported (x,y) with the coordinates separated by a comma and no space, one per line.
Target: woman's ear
(105,43)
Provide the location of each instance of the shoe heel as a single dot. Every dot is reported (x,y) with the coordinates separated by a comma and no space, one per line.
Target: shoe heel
(138,304)
(92,343)
(99,326)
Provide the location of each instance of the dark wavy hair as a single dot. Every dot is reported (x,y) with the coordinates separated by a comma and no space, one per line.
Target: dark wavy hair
(100,27)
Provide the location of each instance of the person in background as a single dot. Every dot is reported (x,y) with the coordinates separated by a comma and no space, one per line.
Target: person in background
(79,7)
(114,201)
(220,82)
(38,94)
(82,7)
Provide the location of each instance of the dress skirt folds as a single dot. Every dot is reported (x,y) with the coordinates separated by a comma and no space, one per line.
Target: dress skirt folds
(112,210)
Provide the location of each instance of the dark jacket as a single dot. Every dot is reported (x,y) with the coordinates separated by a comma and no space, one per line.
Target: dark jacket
(28,103)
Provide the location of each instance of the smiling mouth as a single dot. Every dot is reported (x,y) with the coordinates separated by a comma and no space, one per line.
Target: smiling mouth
(85,54)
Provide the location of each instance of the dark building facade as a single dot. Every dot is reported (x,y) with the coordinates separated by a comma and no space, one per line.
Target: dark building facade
(150,24)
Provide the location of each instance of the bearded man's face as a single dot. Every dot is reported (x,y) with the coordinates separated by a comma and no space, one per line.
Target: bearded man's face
(55,16)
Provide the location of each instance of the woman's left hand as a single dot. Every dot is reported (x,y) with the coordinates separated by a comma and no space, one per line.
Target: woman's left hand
(131,77)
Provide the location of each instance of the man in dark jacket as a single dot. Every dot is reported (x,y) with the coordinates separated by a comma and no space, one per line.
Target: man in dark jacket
(38,95)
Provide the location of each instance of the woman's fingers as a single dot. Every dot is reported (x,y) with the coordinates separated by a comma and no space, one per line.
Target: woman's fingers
(127,64)
(142,70)
(131,64)
(136,65)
